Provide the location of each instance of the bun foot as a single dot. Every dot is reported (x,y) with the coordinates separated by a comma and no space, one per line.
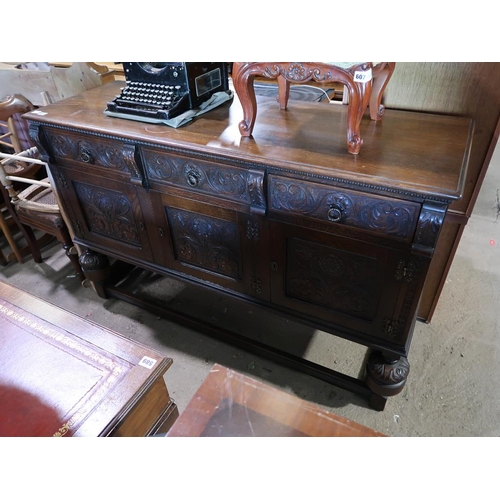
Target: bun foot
(384,376)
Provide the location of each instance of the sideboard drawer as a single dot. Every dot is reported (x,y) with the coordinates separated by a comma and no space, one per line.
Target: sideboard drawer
(218,180)
(88,150)
(376,214)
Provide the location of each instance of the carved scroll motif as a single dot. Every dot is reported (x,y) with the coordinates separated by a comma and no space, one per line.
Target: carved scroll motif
(93,261)
(388,373)
(38,139)
(255,183)
(109,154)
(108,213)
(241,185)
(160,166)
(128,153)
(299,72)
(332,278)
(391,217)
(428,228)
(206,242)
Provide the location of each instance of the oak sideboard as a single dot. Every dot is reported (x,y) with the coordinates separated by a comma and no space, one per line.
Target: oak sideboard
(286,219)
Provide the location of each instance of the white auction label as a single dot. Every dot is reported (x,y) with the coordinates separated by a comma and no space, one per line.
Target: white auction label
(363,76)
(147,362)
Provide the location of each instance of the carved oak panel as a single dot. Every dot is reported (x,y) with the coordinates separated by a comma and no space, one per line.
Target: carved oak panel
(108,213)
(206,242)
(428,228)
(332,278)
(385,216)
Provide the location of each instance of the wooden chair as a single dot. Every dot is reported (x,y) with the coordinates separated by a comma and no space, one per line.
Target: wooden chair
(10,142)
(365,84)
(6,223)
(36,206)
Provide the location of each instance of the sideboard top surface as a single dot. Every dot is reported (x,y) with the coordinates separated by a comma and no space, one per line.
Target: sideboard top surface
(423,154)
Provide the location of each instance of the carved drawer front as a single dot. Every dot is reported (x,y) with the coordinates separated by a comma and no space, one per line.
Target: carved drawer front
(240,185)
(372,213)
(90,150)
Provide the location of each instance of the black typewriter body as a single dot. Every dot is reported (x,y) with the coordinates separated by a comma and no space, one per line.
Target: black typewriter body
(164,90)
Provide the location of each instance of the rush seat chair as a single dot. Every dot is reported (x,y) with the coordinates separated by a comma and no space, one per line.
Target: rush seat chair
(34,206)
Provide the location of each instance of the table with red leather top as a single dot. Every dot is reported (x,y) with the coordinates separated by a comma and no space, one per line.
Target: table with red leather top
(62,375)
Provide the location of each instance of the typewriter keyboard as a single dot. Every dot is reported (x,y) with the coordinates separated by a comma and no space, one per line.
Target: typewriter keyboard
(151,99)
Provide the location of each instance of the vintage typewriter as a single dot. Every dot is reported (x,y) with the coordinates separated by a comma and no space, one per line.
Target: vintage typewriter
(164,90)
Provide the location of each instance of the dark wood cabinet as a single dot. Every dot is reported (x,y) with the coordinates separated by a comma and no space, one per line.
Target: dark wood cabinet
(286,219)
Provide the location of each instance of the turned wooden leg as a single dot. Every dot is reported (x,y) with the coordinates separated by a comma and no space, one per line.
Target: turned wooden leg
(30,238)
(385,376)
(4,228)
(381,75)
(26,231)
(3,260)
(97,269)
(243,85)
(283,91)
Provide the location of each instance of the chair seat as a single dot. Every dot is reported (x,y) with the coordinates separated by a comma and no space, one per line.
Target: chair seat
(22,169)
(48,219)
(42,195)
(38,199)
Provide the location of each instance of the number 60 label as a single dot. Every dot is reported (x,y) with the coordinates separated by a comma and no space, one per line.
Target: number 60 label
(363,76)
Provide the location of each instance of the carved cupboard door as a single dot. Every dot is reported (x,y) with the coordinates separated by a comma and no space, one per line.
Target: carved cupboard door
(361,288)
(218,246)
(105,213)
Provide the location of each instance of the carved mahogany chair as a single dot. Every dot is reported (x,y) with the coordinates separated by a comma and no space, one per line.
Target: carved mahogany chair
(36,206)
(365,83)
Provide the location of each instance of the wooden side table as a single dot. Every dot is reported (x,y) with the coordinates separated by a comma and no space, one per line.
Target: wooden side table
(62,375)
(365,85)
(231,404)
